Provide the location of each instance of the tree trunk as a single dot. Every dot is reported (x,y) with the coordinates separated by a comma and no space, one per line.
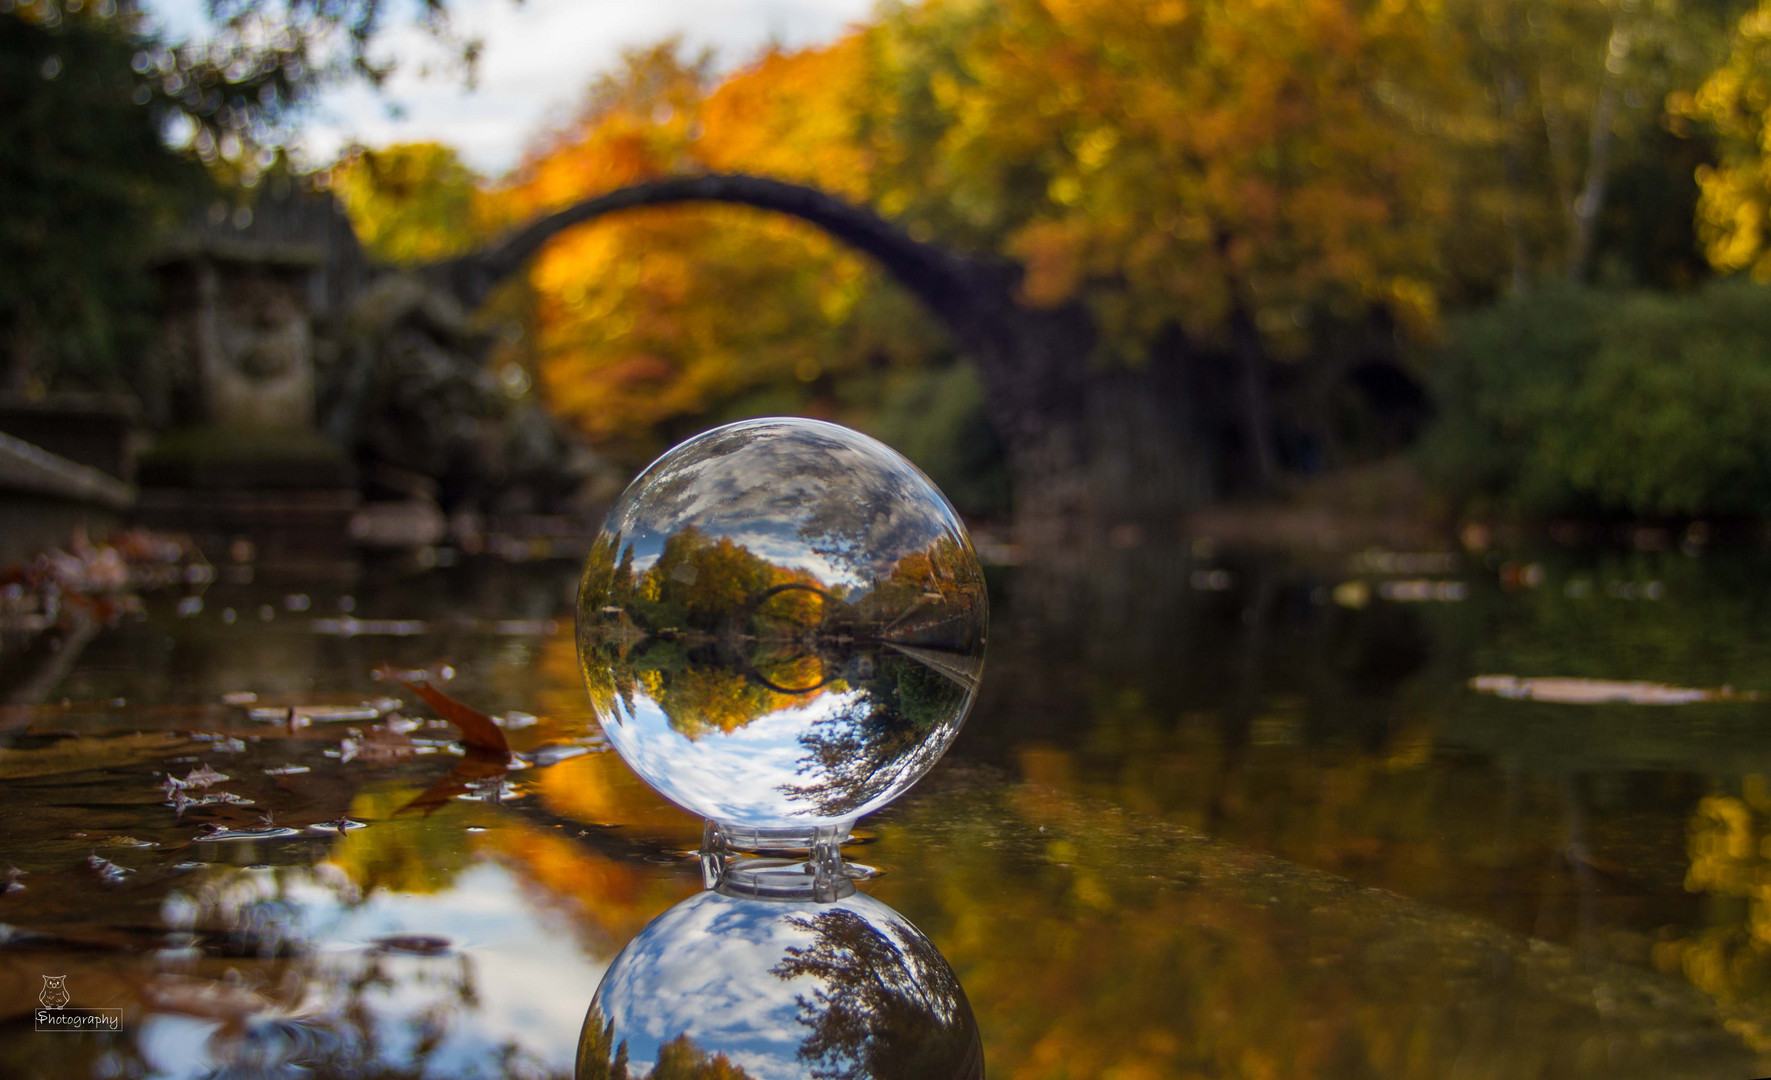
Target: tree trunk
(21,353)
(1257,413)
(1598,175)
(1512,95)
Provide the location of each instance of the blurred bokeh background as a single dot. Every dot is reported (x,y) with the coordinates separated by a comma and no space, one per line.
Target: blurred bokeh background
(1477,257)
(1359,407)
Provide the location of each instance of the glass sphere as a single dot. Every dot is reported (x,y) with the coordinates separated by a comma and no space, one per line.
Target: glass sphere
(781,626)
(780,989)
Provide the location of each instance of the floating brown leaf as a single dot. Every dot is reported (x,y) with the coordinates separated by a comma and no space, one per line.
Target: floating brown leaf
(478,732)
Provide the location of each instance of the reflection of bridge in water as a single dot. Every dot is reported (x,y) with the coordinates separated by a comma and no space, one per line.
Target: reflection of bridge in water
(961,668)
(926,631)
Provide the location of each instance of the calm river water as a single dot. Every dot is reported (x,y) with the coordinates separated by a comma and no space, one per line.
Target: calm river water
(1215,814)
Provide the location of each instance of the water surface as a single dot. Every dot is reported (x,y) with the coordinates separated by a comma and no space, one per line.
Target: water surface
(1215,813)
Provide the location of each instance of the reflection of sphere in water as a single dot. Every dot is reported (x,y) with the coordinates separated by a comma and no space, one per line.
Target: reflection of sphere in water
(780,989)
(781,626)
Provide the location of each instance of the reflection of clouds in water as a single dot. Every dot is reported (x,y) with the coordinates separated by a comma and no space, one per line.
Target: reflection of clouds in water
(527,987)
(800,493)
(702,969)
(526,990)
(733,777)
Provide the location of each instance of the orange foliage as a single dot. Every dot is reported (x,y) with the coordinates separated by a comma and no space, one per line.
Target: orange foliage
(1160,162)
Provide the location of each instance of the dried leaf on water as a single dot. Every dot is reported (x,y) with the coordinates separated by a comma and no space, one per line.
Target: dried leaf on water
(341,826)
(200,777)
(1577,691)
(478,731)
(107,871)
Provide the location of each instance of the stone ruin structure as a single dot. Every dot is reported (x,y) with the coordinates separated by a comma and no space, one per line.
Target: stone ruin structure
(293,378)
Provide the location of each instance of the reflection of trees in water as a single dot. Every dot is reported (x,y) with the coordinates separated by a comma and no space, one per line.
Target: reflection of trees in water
(884,1007)
(717,637)
(875,1000)
(881,733)
(702,692)
(266,1000)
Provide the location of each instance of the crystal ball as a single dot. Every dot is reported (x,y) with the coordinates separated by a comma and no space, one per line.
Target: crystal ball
(780,989)
(781,626)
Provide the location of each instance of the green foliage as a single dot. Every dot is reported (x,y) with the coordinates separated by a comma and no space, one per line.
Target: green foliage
(935,416)
(1591,401)
(84,179)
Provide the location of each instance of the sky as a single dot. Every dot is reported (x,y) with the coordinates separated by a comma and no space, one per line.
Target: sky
(539,56)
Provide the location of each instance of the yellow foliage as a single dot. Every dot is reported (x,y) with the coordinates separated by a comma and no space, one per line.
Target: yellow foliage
(1158,164)
(411,203)
(1734,103)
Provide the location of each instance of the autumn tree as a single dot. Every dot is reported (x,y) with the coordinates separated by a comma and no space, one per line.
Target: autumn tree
(1734,214)
(410,203)
(1220,175)
(1575,142)
(1161,216)
(103,126)
(654,317)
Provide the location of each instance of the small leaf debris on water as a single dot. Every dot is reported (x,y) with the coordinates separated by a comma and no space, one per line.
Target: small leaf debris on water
(340,826)
(478,732)
(1577,691)
(212,831)
(108,872)
(414,944)
(303,715)
(354,627)
(180,802)
(200,777)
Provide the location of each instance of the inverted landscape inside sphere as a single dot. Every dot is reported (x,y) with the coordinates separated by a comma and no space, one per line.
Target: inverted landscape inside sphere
(782,624)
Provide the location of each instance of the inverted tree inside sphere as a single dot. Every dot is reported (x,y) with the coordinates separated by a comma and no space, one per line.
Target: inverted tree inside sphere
(781,626)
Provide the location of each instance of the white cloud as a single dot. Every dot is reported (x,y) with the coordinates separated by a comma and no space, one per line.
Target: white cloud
(539,56)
